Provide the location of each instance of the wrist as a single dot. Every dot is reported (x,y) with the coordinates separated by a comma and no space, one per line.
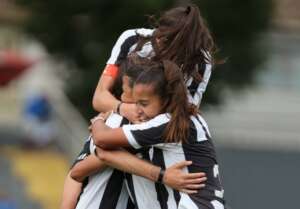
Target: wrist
(154,173)
(97,118)
(118,108)
(122,109)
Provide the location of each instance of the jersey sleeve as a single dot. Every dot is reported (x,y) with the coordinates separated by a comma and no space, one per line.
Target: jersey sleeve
(119,52)
(148,133)
(121,48)
(196,90)
(86,151)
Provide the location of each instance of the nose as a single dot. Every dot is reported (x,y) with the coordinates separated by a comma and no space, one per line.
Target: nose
(139,109)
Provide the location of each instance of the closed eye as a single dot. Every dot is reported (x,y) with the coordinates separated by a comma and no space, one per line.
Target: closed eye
(142,103)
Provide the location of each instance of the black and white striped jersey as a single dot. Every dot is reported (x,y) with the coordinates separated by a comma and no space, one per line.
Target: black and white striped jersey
(127,42)
(198,148)
(105,189)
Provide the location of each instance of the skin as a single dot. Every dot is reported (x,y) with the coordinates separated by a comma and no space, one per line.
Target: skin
(104,101)
(127,90)
(149,105)
(70,194)
(89,166)
(122,160)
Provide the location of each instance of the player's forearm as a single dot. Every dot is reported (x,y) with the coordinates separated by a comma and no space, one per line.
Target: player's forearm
(86,167)
(123,160)
(104,101)
(71,193)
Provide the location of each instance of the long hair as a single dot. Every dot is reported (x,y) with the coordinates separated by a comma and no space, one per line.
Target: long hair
(168,83)
(182,36)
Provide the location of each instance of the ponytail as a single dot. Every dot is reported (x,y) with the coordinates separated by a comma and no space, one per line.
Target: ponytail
(178,105)
(184,39)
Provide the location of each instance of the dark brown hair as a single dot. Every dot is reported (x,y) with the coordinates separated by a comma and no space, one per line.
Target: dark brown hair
(132,67)
(182,36)
(168,83)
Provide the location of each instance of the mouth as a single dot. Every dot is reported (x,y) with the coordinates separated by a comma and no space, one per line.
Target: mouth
(144,117)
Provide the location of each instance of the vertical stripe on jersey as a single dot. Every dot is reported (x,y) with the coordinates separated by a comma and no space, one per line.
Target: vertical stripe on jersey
(131,188)
(204,128)
(145,153)
(176,196)
(84,184)
(130,204)
(162,193)
(193,87)
(112,191)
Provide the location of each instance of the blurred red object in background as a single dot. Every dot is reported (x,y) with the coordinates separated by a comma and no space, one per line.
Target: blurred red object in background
(12,65)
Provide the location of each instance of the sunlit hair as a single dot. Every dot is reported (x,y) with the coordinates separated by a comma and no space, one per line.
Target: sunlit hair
(167,82)
(182,36)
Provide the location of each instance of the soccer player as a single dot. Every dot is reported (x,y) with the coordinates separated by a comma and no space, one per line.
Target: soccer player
(180,35)
(175,130)
(104,187)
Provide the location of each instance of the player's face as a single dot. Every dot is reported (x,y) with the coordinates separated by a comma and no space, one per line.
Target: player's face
(126,96)
(149,104)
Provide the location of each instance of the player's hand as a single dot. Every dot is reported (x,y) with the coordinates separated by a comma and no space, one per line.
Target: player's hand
(130,111)
(188,183)
(103,116)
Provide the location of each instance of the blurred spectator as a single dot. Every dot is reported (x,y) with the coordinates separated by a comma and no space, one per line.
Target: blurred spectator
(38,121)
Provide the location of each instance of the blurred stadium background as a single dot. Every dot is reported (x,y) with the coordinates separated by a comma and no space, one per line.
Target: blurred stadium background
(52,53)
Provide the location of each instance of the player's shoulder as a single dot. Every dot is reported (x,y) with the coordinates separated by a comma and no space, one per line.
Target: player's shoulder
(128,33)
(145,32)
(158,120)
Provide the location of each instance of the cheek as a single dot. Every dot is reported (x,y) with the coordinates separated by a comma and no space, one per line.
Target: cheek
(156,108)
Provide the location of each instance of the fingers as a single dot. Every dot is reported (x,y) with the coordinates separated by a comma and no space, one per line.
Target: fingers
(194,186)
(181,164)
(195,181)
(194,175)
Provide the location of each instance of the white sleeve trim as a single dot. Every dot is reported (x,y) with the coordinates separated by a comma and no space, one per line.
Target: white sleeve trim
(196,99)
(155,122)
(130,137)
(117,47)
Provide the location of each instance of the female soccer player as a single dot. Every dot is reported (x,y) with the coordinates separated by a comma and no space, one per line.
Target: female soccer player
(181,36)
(175,131)
(103,187)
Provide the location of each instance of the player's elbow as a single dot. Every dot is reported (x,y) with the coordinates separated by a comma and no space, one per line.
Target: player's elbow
(96,102)
(102,156)
(76,174)
(103,145)
(106,156)
(100,141)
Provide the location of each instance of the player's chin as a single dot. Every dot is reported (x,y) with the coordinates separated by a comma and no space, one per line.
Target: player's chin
(144,118)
